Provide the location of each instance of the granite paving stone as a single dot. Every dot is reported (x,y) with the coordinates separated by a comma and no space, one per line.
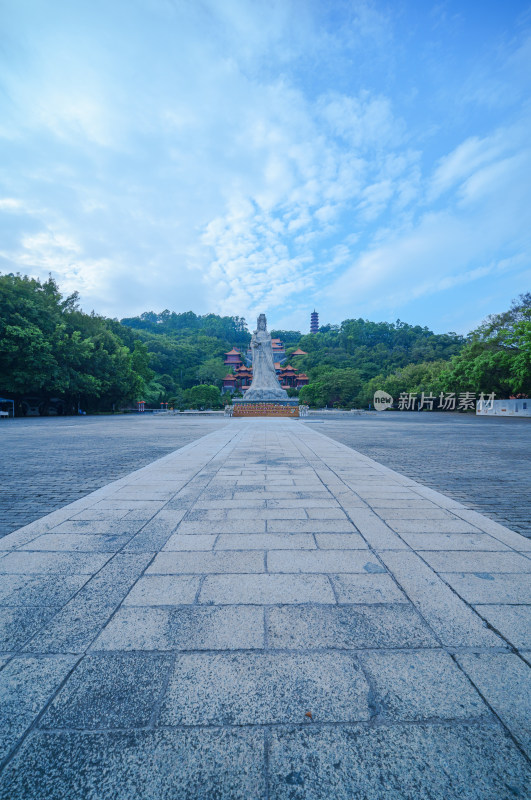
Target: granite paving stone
(431,526)
(57,563)
(73,628)
(138,765)
(198,562)
(455,623)
(362,588)
(340,541)
(477,562)
(504,680)
(491,587)
(112,583)
(352,627)
(453,541)
(227,526)
(58,542)
(513,622)
(322,513)
(421,686)
(255,688)
(265,613)
(429,762)
(116,526)
(266,589)
(471,459)
(199,541)
(265,541)
(110,690)
(184,628)
(417,505)
(427,513)
(310,526)
(26,685)
(19,623)
(39,590)
(322,561)
(500,532)
(375,531)
(162,590)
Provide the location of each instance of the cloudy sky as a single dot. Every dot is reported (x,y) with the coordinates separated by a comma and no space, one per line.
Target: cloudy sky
(367,159)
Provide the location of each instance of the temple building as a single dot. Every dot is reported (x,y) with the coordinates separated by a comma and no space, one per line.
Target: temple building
(314,322)
(242,373)
(233,358)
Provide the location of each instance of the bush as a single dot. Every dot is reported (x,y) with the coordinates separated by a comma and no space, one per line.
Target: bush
(203,396)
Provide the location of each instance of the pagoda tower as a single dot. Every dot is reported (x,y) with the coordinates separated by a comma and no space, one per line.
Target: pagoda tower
(314,322)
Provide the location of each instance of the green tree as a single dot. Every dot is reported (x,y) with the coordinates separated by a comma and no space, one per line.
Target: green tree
(50,348)
(336,387)
(203,397)
(497,356)
(211,371)
(415,378)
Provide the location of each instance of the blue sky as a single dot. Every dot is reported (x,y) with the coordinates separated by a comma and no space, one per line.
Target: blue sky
(367,159)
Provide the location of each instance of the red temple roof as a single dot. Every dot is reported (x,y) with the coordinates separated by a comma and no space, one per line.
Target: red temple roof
(233,352)
(229,377)
(299,352)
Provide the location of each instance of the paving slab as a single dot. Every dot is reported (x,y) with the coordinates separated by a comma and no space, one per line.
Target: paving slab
(271,688)
(138,765)
(265,613)
(513,622)
(110,690)
(428,762)
(183,628)
(421,685)
(26,685)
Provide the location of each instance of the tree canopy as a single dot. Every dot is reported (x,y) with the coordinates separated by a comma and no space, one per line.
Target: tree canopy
(50,348)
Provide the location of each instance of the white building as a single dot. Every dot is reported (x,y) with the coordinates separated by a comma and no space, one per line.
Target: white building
(504,408)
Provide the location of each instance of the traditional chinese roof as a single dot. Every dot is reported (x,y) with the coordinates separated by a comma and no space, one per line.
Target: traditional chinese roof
(233,352)
(276,344)
(299,352)
(229,377)
(302,375)
(289,368)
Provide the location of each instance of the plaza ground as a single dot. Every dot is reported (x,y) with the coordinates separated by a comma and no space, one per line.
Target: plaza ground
(262,614)
(482,462)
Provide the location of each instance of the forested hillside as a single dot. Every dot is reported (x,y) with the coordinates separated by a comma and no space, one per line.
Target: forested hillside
(343,358)
(348,363)
(186,350)
(50,348)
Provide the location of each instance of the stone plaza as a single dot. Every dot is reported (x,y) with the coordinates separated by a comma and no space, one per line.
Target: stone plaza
(265,613)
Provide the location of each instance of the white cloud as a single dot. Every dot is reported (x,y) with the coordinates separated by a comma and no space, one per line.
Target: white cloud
(465,160)
(10,204)
(237,157)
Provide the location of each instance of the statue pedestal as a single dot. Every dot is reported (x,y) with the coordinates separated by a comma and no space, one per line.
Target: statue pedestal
(269,408)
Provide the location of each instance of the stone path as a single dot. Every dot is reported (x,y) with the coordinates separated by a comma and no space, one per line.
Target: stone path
(265,614)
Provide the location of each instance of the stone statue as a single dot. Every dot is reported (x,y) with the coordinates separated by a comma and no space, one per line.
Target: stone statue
(265,385)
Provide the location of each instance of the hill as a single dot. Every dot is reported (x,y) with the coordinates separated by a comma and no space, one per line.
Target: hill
(50,348)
